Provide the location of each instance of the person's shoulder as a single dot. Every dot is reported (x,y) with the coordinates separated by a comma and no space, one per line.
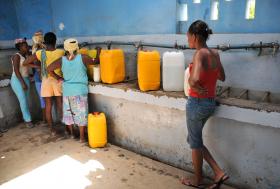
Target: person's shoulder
(201,53)
(59,51)
(215,51)
(16,56)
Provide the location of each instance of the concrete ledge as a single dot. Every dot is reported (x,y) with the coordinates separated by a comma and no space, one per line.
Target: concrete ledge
(264,114)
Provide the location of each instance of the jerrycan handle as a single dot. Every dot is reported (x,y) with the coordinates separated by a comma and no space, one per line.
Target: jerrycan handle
(96,113)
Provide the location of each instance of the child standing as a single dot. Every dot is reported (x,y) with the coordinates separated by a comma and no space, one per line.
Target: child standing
(75,86)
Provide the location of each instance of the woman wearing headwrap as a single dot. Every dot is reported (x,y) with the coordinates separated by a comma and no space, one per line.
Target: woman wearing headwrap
(75,85)
(38,44)
(20,79)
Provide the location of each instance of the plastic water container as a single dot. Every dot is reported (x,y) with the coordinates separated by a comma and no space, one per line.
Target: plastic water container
(148,68)
(92,53)
(97,130)
(83,51)
(96,73)
(112,66)
(173,67)
(186,81)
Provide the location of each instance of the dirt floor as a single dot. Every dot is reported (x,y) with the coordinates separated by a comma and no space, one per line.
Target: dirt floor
(32,159)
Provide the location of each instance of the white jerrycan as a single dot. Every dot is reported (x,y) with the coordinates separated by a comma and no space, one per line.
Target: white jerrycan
(173,71)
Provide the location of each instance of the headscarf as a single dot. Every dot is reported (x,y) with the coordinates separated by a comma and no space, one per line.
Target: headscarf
(20,40)
(38,41)
(71,45)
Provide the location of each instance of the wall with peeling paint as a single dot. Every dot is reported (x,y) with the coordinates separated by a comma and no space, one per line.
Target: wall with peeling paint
(155,126)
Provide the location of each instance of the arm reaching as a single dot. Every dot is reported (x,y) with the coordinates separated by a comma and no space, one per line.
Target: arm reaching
(87,60)
(30,61)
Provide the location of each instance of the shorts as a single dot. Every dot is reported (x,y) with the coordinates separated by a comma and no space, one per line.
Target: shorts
(198,112)
(51,87)
(75,110)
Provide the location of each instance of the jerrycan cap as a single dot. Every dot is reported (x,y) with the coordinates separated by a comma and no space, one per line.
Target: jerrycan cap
(96,113)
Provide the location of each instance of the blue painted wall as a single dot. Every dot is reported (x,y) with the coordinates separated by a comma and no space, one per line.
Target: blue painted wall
(114,17)
(93,17)
(8,20)
(232,16)
(129,17)
(33,15)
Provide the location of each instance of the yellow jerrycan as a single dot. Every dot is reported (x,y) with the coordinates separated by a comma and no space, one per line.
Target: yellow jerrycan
(97,130)
(92,53)
(83,51)
(112,66)
(148,68)
(89,67)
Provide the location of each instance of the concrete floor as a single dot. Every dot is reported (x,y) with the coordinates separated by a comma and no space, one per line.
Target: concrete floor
(31,159)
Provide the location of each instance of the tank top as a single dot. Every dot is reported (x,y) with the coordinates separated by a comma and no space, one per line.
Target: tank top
(207,79)
(23,70)
(75,76)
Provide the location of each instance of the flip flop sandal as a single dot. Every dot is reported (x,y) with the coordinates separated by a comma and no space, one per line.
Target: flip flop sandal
(3,130)
(224,178)
(217,184)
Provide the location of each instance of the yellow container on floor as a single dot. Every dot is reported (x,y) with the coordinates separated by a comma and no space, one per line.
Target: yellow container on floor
(112,66)
(97,130)
(148,66)
(83,51)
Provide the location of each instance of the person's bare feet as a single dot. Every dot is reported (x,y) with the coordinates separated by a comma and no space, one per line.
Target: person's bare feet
(53,132)
(193,182)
